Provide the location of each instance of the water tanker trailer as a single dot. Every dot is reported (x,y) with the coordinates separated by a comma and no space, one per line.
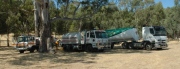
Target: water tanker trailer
(93,40)
(152,37)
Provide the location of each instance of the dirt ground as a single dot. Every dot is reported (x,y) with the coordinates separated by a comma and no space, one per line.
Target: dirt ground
(110,59)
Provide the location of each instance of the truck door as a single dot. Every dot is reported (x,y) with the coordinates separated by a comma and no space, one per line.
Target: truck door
(92,39)
(102,38)
(105,40)
(86,39)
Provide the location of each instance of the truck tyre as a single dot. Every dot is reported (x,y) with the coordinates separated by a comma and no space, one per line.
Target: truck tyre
(102,50)
(32,49)
(124,45)
(148,47)
(66,48)
(88,48)
(37,48)
(159,48)
(130,46)
(21,51)
(69,48)
(112,45)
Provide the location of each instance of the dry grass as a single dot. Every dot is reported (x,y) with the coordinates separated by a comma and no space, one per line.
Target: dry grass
(110,59)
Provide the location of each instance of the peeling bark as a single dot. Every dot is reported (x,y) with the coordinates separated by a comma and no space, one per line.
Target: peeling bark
(36,18)
(42,18)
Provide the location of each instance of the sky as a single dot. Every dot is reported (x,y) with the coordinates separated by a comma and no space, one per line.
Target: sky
(166,3)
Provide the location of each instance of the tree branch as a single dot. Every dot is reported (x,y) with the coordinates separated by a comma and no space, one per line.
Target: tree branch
(67,5)
(67,18)
(76,10)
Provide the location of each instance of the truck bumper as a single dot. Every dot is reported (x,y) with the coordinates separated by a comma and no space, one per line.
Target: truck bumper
(160,45)
(21,48)
(99,47)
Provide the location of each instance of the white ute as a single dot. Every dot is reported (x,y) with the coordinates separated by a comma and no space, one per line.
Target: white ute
(29,43)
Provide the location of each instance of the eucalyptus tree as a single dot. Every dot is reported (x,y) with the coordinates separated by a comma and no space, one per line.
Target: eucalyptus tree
(87,7)
(131,10)
(172,22)
(177,2)
(15,16)
(3,16)
(176,17)
(157,14)
(169,22)
(4,8)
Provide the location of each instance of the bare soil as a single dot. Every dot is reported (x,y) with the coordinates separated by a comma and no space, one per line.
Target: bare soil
(110,59)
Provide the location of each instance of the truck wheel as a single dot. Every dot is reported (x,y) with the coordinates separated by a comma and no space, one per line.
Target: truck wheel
(21,51)
(88,48)
(102,50)
(67,48)
(148,47)
(124,45)
(130,46)
(64,48)
(112,45)
(159,48)
(32,50)
(37,48)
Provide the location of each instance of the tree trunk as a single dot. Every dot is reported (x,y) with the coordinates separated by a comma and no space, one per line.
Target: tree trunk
(8,36)
(8,39)
(45,31)
(36,18)
(80,25)
(0,40)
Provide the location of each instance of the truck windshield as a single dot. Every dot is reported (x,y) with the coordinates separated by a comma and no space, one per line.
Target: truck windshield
(160,31)
(22,39)
(101,35)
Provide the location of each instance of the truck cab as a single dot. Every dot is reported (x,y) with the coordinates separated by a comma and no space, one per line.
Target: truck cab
(98,39)
(92,40)
(156,35)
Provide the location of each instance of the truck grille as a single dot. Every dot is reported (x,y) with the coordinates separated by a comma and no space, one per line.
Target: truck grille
(162,42)
(20,46)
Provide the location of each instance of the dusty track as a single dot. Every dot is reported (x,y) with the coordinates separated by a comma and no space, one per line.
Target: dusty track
(110,59)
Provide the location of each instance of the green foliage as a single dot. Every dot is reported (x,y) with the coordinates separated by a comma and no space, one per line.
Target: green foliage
(17,16)
(172,22)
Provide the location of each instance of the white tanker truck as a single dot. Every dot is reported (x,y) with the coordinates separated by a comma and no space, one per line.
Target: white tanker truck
(98,40)
(152,37)
(93,40)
